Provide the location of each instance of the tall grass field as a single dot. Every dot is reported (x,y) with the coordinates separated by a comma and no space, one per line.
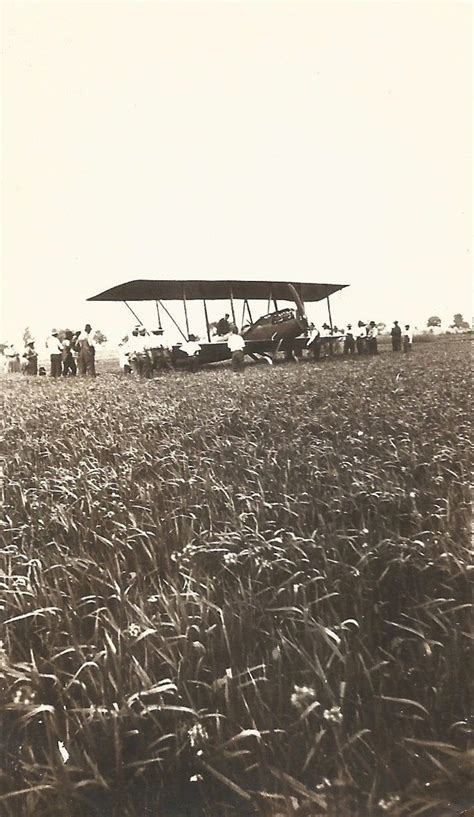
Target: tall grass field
(238,594)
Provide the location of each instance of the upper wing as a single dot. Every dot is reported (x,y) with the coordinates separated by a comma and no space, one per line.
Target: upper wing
(174,290)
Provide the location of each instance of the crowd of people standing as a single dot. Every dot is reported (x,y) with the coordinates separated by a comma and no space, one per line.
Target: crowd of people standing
(361,340)
(70,353)
(142,352)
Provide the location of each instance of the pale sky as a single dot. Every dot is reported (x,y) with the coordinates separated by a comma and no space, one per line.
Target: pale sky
(299,141)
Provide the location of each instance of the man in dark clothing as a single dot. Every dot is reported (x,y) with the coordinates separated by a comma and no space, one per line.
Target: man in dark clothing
(86,352)
(396,334)
(30,354)
(69,364)
(223,326)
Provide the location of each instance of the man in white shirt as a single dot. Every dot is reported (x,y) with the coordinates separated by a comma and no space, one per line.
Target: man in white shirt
(236,345)
(55,348)
(407,338)
(361,339)
(191,348)
(372,338)
(86,352)
(314,341)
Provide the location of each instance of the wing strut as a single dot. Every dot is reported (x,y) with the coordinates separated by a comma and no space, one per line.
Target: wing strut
(133,313)
(207,320)
(158,315)
(186,313)
(329,312)
(171,317)
(232,306)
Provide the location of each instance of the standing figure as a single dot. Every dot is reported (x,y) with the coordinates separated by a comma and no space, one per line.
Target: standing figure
(12,358)
(314,342)
(30,363)
(160,351)
(191,349)
(407,338)
(372,338)
(236,345)
(349,341)
(327,333)
(396,334)
(55,348)
(86,352)
(139,356)
(361,340)
(69,364)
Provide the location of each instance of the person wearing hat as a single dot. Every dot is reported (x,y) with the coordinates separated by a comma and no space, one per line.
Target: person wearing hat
(361,339)
(372,335)
(349,341)
(408,338)
(314,341)
(139,355)
(396,334)
(55,348)
(69,364)
(30,355)
(86,352)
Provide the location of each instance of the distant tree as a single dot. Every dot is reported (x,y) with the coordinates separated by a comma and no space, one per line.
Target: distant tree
(99,337)
(381,327)
(27,336)
(459,322)
(434,321)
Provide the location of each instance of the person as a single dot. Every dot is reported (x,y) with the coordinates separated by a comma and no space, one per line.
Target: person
(223,326)
(55,348)
(349,341)
(160,351)
(314,342)
(372,334)
(144,352)
(30,355)
(407,338)
(13,359)
(86,352)
(396,334)
(236,345)
(338,343)
(68,362)
(361,339)
(138,355)
(191,348)
(327,333)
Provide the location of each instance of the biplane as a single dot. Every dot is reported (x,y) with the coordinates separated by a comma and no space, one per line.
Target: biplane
(281,329)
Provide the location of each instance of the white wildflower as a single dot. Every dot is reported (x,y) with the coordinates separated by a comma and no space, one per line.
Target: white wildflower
(386,805)
(334,715)
(197,735)
(302,697)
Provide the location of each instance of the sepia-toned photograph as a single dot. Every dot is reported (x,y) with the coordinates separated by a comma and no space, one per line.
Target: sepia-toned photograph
(235,425)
